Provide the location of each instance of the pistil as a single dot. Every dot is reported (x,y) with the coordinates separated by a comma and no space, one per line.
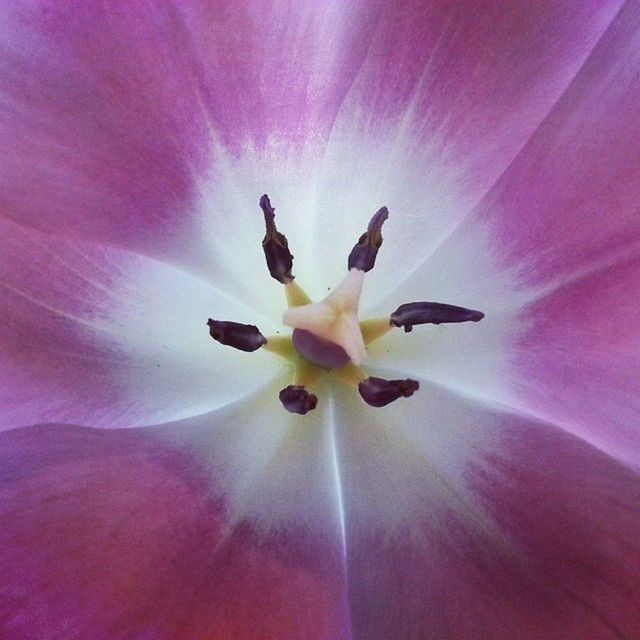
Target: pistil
(334,320)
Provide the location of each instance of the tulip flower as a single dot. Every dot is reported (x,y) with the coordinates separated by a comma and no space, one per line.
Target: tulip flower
(320,320)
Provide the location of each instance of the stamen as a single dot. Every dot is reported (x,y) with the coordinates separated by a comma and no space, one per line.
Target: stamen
(245,337)
(407,315)
(282,346)
(296,297)
(379,392)
(350,374)
(296,399)
(327,334)
(275,246)
(363,255)
(374,329)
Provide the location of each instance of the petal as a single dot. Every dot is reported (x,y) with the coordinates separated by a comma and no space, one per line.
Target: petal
(569,202)
(111,112)
(576,361)
(170,121)
(99,124)
(275,467)
(553,250)
(101,335)
(564,211)
(276,71)
(467,521)
(115,534)
(447,96)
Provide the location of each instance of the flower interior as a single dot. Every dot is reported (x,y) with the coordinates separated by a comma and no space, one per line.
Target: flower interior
(327,336)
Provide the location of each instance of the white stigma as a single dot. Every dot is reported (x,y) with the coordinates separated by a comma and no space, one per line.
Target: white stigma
(335,319)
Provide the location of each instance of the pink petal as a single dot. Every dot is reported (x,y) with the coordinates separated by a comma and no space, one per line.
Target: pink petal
(99,124)
(467,71)
(98,335)
(569,202)
(276,71)
(116,115)
(447,95)
(467,521)
(274,467)
(551,257)
(577,362)
(111,111)
(112,535)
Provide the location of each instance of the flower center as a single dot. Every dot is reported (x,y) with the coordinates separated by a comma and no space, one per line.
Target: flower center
(328,332)
(327,335)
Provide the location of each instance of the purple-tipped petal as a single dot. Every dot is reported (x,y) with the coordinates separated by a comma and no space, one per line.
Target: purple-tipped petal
(296,399)
(412,313)
(446,97)
(469,522)
(116,534)
(379,392)
(93,334)
(103,131)
(245,337)
(111,110)
(569,203)
(576,361)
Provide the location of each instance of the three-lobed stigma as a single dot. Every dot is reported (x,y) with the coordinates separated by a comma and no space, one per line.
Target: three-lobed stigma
(327,335)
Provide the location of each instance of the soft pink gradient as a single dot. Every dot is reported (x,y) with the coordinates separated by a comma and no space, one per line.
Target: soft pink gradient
(89,335)
(566,217)
(111,110)
(473,80)
(510,514)
(535,538)
(111,535)
(578,363)
(569,202)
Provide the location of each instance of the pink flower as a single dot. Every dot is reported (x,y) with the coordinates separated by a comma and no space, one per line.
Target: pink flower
(152,485)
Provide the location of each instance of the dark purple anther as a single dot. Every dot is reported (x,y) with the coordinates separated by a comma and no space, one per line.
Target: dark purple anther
(379,392)
(245,337)
(363,255)
(297,399)
(275,246)
(406,315)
